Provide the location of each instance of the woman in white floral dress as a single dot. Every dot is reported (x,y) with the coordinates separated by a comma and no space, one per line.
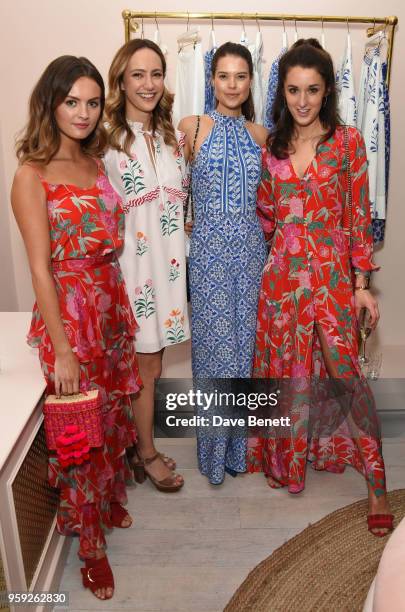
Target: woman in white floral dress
(145,164)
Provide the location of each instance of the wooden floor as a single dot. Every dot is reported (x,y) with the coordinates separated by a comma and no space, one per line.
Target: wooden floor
(189,551)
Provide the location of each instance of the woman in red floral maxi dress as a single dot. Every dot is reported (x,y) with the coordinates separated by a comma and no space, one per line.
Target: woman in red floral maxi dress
(307,326)
(82,321)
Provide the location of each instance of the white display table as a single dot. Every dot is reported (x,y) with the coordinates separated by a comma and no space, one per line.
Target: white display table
(32,554)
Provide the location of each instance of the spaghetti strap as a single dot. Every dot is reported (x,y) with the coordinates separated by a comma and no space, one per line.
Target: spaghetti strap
(39,175)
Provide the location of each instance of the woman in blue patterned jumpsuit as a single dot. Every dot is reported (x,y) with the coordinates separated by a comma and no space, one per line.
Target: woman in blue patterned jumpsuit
(228,250)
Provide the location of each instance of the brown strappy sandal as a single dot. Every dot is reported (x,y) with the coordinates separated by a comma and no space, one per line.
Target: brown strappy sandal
(170,484)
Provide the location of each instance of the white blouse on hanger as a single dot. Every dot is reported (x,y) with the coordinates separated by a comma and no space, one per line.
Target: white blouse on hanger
(345,87)
(190,78)
(370,120)
(256,51)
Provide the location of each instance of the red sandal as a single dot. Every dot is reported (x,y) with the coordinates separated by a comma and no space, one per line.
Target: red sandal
(118,515)
(380,521)
(97,575)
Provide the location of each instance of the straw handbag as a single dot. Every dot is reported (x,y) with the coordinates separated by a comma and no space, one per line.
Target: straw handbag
(73,425)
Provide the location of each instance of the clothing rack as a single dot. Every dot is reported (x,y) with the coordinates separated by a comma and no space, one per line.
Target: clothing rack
(378,23)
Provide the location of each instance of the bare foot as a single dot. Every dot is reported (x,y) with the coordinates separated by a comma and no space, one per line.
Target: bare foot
(273,483)
(377,505)
(103,593)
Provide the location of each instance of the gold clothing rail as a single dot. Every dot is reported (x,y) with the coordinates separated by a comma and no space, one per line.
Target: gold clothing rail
(378,23)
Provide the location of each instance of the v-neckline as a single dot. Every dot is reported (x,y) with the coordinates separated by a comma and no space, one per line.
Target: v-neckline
(308,168)
(301,178)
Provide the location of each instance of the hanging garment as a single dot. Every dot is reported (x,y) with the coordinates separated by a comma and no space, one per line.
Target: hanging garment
(158,40)
(256,51)
(272,86)
(371,122)
(379,224)
(307,281)
(226,260)
(190,82)
(345,87)
(209,88)
(153,257)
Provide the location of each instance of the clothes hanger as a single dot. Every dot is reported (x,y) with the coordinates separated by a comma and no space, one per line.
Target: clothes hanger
(295,31)
(323,35)
(158,38)
(285,37)
(259,38)
(212,38)
(189,37)
(243,37)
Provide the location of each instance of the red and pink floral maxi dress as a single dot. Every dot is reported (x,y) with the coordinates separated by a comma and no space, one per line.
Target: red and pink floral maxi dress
(86,228)
(308,282)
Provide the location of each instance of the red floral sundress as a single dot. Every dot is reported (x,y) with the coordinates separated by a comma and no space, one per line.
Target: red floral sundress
(308,280)
(86,228)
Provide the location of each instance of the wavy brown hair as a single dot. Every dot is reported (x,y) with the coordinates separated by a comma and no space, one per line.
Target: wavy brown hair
(120,135)
(40,139)
(231,48)
(307,53)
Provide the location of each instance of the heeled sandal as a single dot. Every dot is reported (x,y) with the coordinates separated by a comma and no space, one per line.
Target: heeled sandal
(138,467)
(169,461)
(170,484)
(97,575)
(118,514)
(380,521)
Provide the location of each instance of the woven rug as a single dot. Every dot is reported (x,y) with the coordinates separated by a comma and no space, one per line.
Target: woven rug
(328,567)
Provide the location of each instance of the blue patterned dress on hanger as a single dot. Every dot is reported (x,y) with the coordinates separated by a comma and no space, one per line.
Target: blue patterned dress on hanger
(227,256)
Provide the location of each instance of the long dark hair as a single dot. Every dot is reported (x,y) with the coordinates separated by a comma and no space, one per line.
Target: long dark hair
(120,135)
(40,140)
(307,53)
(230,48)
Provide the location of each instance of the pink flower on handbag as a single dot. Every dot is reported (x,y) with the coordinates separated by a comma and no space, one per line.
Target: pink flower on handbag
(296,207)
(104,302)
(304,279)
(279,167)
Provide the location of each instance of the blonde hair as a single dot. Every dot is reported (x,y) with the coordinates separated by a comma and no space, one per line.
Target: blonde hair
(120,135)
(40,139)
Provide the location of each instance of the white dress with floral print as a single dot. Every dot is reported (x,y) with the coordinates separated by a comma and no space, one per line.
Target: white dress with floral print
(153,258)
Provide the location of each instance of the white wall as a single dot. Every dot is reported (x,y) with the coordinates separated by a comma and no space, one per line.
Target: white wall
(8,294)
(34,33)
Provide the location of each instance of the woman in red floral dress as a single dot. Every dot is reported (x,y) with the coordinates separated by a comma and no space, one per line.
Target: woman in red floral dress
(71,221)
(314,285)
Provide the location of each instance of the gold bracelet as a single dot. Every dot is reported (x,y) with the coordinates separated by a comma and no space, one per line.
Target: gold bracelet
(361,288)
